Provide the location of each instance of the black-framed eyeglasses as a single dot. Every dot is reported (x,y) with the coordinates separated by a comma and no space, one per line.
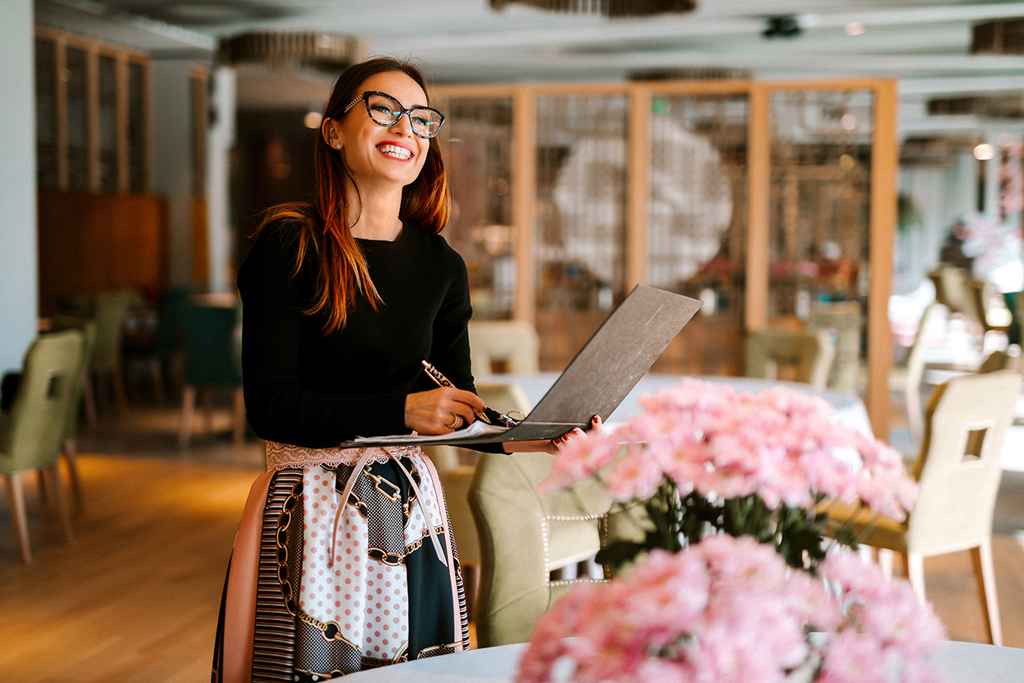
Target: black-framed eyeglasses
(385,110)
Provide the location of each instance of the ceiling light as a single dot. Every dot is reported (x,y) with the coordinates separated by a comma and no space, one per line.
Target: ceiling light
(608,8)
(848,122)
(855,28)
(984,152)
(312,119)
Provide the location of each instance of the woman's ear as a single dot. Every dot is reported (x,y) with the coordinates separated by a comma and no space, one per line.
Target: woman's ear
(331,134)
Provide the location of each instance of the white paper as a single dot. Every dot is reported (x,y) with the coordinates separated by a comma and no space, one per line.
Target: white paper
(476,429)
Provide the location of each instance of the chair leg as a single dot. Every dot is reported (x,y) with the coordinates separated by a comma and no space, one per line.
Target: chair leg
(70,456)
(89,396)
(17,499)
(62,507)
(984,573)
(44,498)
(188,407)
(239,401)
(885,561)
(157,371)
(119,393)
(914,564)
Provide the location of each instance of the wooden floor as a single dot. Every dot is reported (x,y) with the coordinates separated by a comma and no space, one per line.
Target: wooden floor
(135,599)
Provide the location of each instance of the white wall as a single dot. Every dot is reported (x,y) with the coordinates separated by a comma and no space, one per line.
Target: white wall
(171,168)
(220,140)
(19,291)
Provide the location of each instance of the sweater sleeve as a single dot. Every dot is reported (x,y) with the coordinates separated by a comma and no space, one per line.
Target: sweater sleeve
(278,406)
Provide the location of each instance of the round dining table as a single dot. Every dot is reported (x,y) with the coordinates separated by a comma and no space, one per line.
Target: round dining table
(849,408)
(958,662)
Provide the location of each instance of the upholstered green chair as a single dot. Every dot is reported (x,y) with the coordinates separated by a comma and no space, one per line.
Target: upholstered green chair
(525,535)
(111,310)
(69,449)
(809,353)
(211,363)
(31,436)
(456,480)
(958,471)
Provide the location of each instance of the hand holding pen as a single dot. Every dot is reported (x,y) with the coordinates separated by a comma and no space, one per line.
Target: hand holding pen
(487,415)
(441,410)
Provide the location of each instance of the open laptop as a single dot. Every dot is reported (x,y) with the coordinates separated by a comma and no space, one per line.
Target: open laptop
(619,353)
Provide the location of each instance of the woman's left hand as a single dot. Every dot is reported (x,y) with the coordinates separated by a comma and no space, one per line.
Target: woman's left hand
(553,445)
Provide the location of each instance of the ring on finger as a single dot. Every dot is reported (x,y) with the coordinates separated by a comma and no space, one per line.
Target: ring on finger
(455,422)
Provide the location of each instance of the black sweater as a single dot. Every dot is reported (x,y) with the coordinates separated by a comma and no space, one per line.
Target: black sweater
(310,389)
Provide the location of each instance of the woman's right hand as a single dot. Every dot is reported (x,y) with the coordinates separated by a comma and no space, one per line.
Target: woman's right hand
(435,411)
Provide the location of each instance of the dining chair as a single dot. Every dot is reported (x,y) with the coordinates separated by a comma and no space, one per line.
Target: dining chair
(512,343)
(958,472)
(211,364)
(525,535)
(69,442)
(915,367)
(843,320)
(456,479)
(808,353)
(111,310)
(31,435)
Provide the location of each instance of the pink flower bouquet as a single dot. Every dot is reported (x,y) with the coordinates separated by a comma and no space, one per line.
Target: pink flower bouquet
(705,458)
(730,610)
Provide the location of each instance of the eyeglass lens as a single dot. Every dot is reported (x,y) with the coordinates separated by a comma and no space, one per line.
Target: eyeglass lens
(386,111)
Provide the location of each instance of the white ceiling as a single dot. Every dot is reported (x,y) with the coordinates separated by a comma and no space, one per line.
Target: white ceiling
(923,43)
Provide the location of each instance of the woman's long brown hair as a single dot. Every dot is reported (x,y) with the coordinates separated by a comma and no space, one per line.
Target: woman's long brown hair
(321,227)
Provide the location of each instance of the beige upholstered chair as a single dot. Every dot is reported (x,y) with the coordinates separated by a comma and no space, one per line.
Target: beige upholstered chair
(915,368)
(511,342)
(958,471)
(456,479)
(809,353)
(843,320)
(525,535)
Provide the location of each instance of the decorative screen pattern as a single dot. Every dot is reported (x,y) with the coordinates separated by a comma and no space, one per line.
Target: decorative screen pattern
(46,114)
(820,219)
(477,143)
(78,119)
(108,123)
(137,172)
(581,218)
(697,223)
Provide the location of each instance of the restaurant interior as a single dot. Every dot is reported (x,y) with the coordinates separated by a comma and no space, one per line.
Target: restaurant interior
(840,186)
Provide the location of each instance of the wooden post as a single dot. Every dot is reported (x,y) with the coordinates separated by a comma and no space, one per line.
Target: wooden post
(884,170)
(92,117)
(121,71)
(639,190)
(524,192)
(758,206)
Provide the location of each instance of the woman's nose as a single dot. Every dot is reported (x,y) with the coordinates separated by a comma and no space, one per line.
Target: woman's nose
(403,125)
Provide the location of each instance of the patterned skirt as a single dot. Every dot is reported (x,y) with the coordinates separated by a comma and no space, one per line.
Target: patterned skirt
(344,560)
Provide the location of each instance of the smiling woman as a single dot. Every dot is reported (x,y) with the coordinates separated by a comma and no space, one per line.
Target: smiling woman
(344,559)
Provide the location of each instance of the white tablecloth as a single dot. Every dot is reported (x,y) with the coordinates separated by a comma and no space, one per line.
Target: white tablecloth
(958,663)
(849,407)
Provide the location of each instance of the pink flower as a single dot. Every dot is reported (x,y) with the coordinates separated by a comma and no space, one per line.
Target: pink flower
(854,658)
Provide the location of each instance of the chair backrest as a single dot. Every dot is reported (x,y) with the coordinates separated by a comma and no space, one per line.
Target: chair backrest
(513,342)
(959,466)
(88,330)
(37,423)
(843,319)
(952,289)
(524,535)
(210,357)
(933,313)
(111,309)
(1008,359)
(810,353)
(170,327)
